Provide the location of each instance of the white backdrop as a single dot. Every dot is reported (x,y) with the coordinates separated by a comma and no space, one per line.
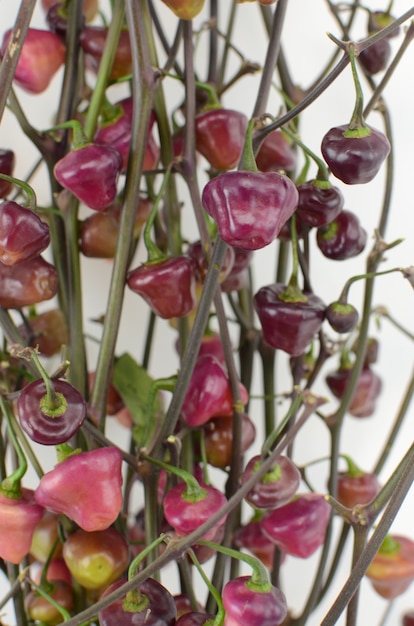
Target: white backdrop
(307,48)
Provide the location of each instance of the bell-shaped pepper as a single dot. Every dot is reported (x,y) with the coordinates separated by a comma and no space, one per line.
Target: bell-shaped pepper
(219,135)
(23,235)
(277,486)
(368,387)
(298,528)
(27,283)
(90,173)
(18,520)
(250,208)
(93,39)
(208,394)
(391,571)
(168,286)
(87,487)
(289,319)
(247,604)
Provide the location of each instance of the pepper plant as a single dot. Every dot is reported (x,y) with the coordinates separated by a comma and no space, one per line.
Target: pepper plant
(206,279)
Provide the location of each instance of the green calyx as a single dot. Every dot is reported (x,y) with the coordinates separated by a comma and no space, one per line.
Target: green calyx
(10,488)
(390,546)
(135,602)
(343,308)
(357,133)
(353,471)
(193,493)
(292,294)
(330,231)
(272,476)
(321,184)
(258,587)
(53,407)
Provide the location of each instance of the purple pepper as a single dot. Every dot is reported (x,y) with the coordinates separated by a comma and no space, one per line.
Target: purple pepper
(250,606)
(250,208)
(23,235)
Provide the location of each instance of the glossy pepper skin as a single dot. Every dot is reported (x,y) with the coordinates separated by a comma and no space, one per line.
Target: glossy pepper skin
(367,390)
(96,559)
(91,174)
(36,420)
(343,238)
(298,528)
(251,537)
(319,204)
(158,607)
(391,571)
(41,56)
(251,607)
(250,208)
(40,610)
(208,393)
(168,286)
(18,520)
(276,487)
(27,283)
(286,325)
(354,160)
(185,513)
(219,136)
(357,489)
(87,487)
(275,154)
(23,235)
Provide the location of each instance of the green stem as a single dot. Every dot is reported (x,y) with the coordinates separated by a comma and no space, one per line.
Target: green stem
(154,253)
(357,119)
(53,400)
(260,576)
(98,94)
(193,491)
(10,486)
(213,591)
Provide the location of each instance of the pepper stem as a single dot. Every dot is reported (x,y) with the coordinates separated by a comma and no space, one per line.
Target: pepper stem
(154,253)
(357,120)
(53,403)
(219,619)
(79,140)
(193,492)
(259,580)
(323,174)
(248,161)
(29,191)
(10,486)
(135,600)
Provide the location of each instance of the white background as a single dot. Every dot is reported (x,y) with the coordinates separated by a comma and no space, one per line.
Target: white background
(307,48)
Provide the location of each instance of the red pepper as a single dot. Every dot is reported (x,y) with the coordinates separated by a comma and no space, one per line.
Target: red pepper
(27,283)
(250,208)
(220,137)
(87,487)
(18,520)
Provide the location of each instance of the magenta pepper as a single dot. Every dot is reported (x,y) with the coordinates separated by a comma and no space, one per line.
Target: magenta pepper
(277,486)
(23,235)
(87,487)
(246,604)
(219,135)
(91,174)
(209,393)
(298,528)
(18,520)
(168,286)
(250,208)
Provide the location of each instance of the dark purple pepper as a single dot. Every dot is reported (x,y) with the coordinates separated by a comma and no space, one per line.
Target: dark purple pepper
(194,618)
(91,174)
(343,238)
(50,425)
(250,208)
(342,316)
(168,286)
(288,324)
(354,156)
(319,204)
(155,606)
(23,235)
(375,58)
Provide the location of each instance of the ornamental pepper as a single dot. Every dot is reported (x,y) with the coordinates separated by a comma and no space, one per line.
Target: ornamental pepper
(23,235)
(208,394)
(289,318)
(219,137)
(391,571)
(367,389)
(168,286)
(250,604)
(27,283)
(92,40)
(86,486)
(276,487)
(19,517)
(250,208)
(298,528)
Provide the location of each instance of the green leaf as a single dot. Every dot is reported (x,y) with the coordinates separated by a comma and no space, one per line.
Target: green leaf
(135,386)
